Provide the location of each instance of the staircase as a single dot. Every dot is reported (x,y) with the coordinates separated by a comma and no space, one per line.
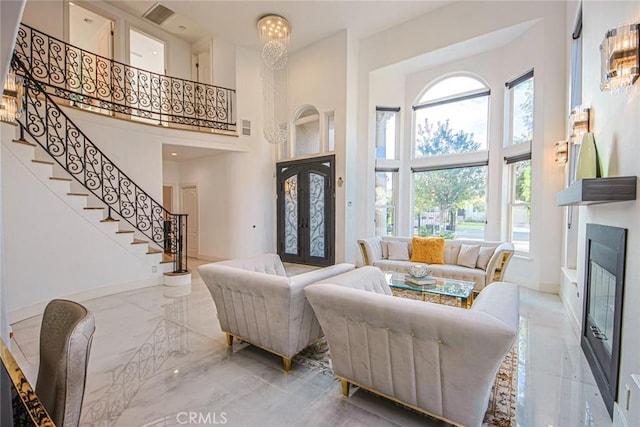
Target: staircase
(60,183)
(50,152)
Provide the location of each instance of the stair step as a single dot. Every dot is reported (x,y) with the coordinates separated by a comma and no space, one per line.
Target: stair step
(154,251)
(94,208)
(166,258)
(109,220)
(59,178)
(78,194)
(44,162)
(139,242)
(25,142)
(124,231)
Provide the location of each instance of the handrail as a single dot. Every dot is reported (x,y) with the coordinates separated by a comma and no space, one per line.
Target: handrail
(56,133)
(69,72)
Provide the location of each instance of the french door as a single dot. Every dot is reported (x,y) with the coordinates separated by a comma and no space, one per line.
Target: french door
(306,211)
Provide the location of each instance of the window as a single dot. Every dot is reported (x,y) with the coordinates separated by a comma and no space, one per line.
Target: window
(386,191)
(519,119)
(387,130)
(452,117)
(519,175)
(331,131)
(450,159)
(307,125)
(520,110)
(450,202)
(576,62)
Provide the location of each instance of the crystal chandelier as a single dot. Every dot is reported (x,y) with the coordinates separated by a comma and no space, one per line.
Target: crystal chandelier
(274,34)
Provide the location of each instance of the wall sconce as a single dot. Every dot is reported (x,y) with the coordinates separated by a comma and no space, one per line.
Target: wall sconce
(579,120)
(9,104)
(562,152)
(620,57)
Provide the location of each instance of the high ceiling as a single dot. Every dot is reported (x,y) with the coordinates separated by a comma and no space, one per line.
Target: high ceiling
(311,21)
(235,21)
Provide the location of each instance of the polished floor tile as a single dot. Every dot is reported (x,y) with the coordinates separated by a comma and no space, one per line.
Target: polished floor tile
(160,359)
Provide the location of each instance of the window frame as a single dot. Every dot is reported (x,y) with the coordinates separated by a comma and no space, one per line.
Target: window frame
(395,176)
(450,166)
(515,154)
(458,97)
(449,160)
(509,108)
(396,154)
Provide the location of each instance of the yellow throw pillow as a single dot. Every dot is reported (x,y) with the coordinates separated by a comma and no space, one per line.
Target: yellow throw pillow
(429,250)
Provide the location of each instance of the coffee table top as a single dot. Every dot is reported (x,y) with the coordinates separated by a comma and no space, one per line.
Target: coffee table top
(448,287)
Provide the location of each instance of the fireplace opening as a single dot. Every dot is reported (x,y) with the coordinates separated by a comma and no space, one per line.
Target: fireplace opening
(602,310)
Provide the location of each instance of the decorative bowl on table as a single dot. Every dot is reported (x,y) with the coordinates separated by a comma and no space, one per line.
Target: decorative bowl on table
(417,270)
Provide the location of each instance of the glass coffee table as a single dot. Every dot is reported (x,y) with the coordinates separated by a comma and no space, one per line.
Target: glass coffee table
(450,288)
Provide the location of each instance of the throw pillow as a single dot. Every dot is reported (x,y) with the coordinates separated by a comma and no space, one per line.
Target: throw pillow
(398,251)
(484,256)
(468,255)
(385,249)
(451,251)
(429,250)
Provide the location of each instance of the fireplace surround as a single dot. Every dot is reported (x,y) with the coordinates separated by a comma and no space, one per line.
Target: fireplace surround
(602,310)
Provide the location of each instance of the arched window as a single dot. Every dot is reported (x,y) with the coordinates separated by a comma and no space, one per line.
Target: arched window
(451,117)
(307,132)
(450,159)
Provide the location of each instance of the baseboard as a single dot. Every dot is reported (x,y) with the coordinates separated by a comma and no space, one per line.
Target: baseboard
(38,308)
(576,324)
(210,258)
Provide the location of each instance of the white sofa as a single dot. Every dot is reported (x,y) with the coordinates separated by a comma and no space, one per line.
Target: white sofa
(372,254)
(257,303)
(436,359)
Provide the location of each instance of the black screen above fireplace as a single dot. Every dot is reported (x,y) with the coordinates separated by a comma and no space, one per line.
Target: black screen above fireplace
(602,310)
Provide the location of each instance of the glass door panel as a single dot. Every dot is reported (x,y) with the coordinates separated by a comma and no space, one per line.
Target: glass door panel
(291,222)
(317,222)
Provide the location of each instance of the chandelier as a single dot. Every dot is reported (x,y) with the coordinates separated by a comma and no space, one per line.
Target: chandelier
(274,34)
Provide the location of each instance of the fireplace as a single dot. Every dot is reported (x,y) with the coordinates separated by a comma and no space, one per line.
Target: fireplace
(602,310)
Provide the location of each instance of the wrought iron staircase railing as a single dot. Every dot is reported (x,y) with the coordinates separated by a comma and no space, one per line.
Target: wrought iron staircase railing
(68,72)
(54,131)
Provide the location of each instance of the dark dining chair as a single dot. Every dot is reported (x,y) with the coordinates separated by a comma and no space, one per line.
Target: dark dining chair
(65,342)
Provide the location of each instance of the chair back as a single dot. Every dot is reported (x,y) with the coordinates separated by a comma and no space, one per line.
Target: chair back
(65,342)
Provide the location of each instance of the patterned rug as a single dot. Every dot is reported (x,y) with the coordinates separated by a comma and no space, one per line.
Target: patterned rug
(501,411)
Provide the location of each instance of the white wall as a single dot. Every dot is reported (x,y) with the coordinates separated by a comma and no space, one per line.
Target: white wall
(236,192)
(616,129)
(318,76)
(224,63)
(53,251)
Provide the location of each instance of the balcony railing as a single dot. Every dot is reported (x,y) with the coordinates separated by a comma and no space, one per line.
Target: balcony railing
(68,72)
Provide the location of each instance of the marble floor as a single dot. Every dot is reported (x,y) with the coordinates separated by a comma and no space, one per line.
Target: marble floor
(160,359)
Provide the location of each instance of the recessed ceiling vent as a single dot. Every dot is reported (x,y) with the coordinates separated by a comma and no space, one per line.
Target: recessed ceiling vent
(158,14)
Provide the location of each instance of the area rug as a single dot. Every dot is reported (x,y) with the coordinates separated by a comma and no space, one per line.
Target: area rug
(501,411)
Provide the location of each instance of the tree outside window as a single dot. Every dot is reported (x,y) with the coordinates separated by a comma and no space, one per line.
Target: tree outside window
(520,229)
(448,202)
(521,117)
(451,122)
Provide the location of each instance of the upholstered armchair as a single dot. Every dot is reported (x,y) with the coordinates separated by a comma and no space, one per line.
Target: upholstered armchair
(436,359)
(257,303)
(65,343)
